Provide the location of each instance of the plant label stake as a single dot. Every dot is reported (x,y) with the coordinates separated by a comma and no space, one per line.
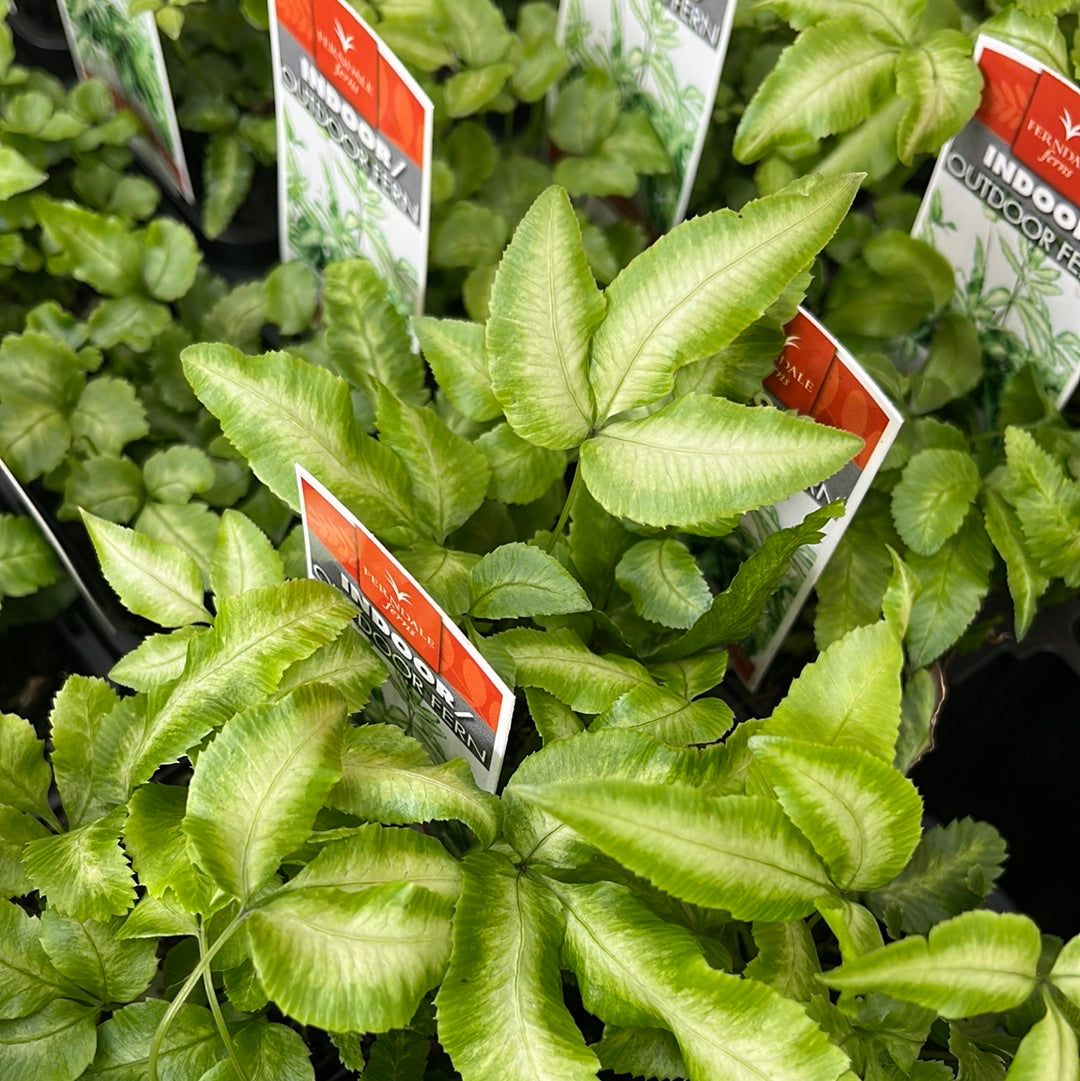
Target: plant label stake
(124,52)
(666,55)
(440,687)
(1003,206)
(816,377)
(354,136)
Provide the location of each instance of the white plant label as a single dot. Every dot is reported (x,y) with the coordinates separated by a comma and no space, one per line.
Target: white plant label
(666,55)
(1003,206)
(815,377)
(124,52)
(354,147)
(440,690)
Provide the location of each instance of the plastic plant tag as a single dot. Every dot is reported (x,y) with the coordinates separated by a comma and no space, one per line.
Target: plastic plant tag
(440,690)
(1003,206)
(124,52)
(354,136)
(815,377)
(666,55)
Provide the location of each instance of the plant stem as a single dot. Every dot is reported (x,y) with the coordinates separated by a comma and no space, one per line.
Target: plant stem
(564,514)
(219,1020)
(181,997)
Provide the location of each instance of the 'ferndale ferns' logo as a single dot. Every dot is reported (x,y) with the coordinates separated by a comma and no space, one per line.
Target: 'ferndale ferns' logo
(1071,130)
(346,40)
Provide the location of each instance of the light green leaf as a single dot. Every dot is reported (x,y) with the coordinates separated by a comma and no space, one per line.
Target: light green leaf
(177,473)
(310,413)
(24,773)
(477,32)
(228,169)
(1026,581)
(501,1011)
(292,294)
(16,828)
(518,580)
(76,718)
(1048,1050)
(1065,975)
(561,664)
(470,235)
(944,85)
(980,962)
(449,475)
(34,435)
(455,351)
(28,979)
(89,954)
(737,853)
(520,471)
(933,498)
(152,578)
(170,259)
(862,816)
(153,918)
(366,335)
(664,582)
(258,786)
(54,1044)
(269,1052)
(83,872)
(1041,39)
(694,290)
(786,960)
(350,962)
(899,597)
(585,112)
(98,249)
(190,1047)
(17,174)
(544,308)
(349,664)
(635,969)
(443,572)
(243,559)
(701,459)
(158,659)
(597,174)
(640,1052)
(849,696)
(1047,503)
(668,716)
(26,561)
(128,320)
(108,487)
(191,527)
(829,81)
(895,22)
(388,777)
(155,840)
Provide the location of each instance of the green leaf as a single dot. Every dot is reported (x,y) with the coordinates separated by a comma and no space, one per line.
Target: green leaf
(597,175)
(310,413)
(258,786)
(980,962)
(944,85)
(1041,39)
(177,473)
(42,365)
(561,664)
(640,1052)
(170,259)
(455,350)
(350,961)
(449,475)
(34,435)
(110,488)
(388,777)
(694,290)
(190,1047)
(953,367)
(16,828)
(152,578)
(1026,581)
(737,853)
(17,174)
(191,527)
(349,664)
(973,1063)
(24,774)
(83,872)
(786,960)
(952,585)
(933,498)
(269,1052)
(848,697)
(157,660)
(398,1054)
(1048,1050)
(443,572)
(635,969)
(228,169)
(862,816)
(28,979)
(895,22)
(585,112)
(953,870)
(520,471)
(88,953)
(828,81)
(469,236)
(544,308)
(98,249)
(857,932)
(553,720)
(54,1044)
(244,558)
(75,721)
(477,32)
(702,459)
(366,335)
(128,320)
(500,1008)
(155,840)
(1047,503)
(255,638)
(664,582)
(292,293)
(668,716)
(517,580)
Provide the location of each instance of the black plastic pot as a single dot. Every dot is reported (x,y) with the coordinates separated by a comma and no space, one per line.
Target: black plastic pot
(39,38)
